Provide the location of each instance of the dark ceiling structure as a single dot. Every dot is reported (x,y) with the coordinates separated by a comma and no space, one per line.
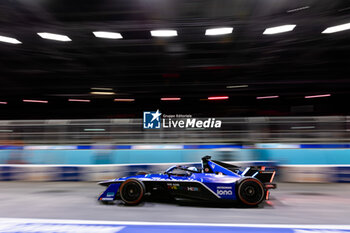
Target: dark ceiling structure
(243,65)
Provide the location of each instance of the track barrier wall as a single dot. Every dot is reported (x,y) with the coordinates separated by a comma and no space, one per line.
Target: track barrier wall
(32,163)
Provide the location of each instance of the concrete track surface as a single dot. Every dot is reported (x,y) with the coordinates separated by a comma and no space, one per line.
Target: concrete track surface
(289,204)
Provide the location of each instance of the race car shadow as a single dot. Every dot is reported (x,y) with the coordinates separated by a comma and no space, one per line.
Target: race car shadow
(194,203)
(205,204)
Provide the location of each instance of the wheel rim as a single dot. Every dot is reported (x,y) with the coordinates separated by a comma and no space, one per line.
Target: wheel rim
(251,192)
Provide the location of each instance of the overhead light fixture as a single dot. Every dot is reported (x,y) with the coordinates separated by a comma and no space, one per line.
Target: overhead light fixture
(6,131)
(170,99)
(102,88)
(338,28)
(164,33)
(9,40)
(279,29)
(218,98)
(267,97)
(298,9)
(94,130)
(108,35)
(102,93)
(218,31)
(237,86)
(3,102)
(302,127)
(124,100)
(317,96)
(36,101)
(52,36)
(79,100)
(344,9)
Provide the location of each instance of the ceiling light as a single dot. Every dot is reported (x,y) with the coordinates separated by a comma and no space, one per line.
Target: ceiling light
(218,31)
(279,29)
(52,36)
(79,100)
(218,98)
(338,28)
(298,9)
(316,96)
(237,86)
(302,127)
(164,33)
(170,99)
(267,97)
(102,93)
(6,130)
(9,40)
(108,35)
(124,100)
(36,101)
(3,102)
(95,130)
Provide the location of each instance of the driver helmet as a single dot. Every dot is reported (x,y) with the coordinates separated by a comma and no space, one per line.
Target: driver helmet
(193,169)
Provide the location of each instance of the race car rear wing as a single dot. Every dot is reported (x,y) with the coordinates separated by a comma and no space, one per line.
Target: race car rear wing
(212,166)
(259,172)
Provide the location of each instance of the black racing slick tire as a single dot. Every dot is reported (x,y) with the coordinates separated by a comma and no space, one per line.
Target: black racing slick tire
(132,191)
(250,191)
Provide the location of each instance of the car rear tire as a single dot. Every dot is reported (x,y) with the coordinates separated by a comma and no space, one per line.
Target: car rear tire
(250,191)
(132,191)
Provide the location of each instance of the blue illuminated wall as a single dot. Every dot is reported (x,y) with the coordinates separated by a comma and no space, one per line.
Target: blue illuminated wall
(116,156)
(306,156)
(129,156)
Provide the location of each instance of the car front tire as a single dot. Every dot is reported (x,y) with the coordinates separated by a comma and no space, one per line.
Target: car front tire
(132,191)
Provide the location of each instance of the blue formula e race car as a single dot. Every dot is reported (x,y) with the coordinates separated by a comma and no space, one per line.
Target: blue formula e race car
(214,181)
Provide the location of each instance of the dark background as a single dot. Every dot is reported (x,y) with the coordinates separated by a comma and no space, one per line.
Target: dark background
(191,66)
